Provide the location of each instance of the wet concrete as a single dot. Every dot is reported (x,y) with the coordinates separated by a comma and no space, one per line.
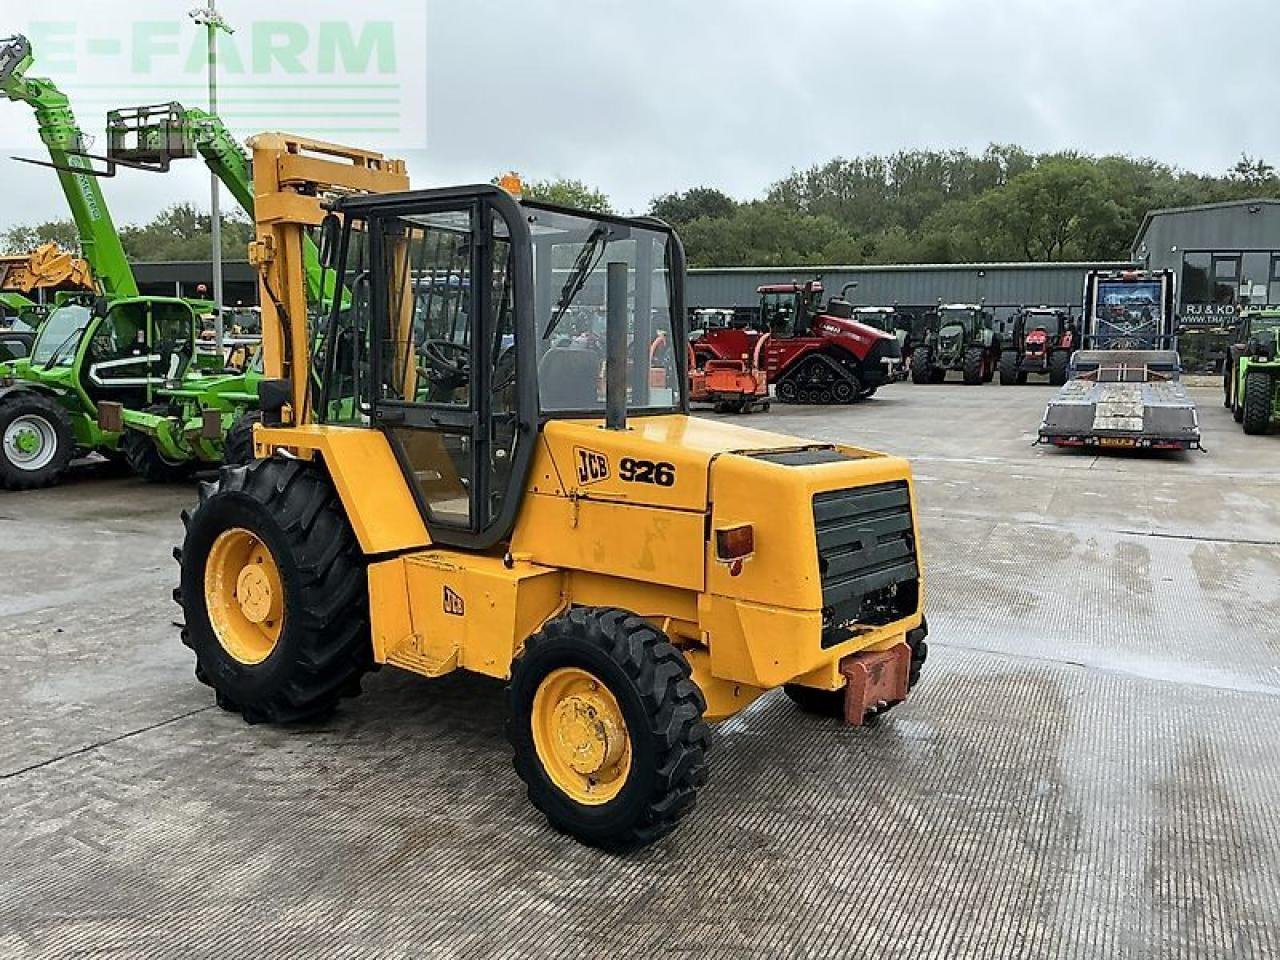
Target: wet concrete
(1087,770)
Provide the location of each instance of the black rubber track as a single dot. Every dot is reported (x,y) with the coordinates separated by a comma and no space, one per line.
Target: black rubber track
(237,447)
(144,458)
(18,404)
(325,646)
(830,703)
(1259,401)
(663,709)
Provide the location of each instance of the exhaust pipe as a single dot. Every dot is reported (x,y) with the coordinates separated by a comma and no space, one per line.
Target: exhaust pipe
(615,371)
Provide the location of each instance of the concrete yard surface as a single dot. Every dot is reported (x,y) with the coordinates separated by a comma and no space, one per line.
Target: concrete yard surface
(1089,767)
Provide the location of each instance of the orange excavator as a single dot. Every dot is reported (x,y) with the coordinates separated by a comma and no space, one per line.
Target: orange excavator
(47,267)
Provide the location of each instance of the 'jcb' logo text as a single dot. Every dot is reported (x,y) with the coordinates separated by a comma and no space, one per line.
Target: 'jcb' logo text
(453,604)
(592,467)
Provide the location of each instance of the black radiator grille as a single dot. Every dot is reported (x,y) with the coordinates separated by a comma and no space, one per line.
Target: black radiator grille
(867,556)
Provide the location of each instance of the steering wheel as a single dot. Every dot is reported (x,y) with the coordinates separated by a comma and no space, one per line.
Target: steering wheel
(449,363)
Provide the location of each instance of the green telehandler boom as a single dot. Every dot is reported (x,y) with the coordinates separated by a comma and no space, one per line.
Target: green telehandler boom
(99,242)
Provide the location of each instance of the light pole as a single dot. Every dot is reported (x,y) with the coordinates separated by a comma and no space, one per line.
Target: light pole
(209,18)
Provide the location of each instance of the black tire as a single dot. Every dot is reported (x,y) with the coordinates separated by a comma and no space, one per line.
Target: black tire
(146,460)
(974,366)
(662,708)
(830,703)
(1009,368)
(27,418)
(1059,367)
(921,367)
(325,645)
(237,446)
(989,362)
(1259,402)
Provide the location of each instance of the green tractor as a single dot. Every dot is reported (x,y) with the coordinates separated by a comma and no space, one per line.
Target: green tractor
(91,369)
(960,337)
(1252,381)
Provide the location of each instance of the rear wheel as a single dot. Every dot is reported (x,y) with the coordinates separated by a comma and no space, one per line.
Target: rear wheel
(1059,367)
(607,728)
(237,447)
(147,461)
(274,593)
(36,441)
(974,359)
(1259,402)
(1009,368)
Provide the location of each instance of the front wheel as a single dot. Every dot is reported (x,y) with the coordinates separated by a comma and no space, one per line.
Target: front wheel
(1259,402)
(974,366)
(606,726)
(36,442)
(921,367)
(274,593)
(1009,368)
(147,461)
(1059,367)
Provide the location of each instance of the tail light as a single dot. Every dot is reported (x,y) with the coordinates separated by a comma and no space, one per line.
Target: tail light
(735,544)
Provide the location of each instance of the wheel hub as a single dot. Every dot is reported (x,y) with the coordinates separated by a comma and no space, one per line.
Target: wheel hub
(253,590)
(581,736)
(244,596)
(30,442)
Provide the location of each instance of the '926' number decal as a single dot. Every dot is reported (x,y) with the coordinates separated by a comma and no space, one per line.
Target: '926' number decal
(662,474)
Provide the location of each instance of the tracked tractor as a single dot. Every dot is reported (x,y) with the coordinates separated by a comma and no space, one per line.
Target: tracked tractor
(959,337)
(471,483)
(1252,380)
(815,354)
(1042,343)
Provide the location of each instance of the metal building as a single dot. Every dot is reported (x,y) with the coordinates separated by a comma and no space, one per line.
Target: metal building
(1226,256)
(915,288)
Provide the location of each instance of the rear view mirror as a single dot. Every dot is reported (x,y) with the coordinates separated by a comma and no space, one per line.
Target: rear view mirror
(330,232)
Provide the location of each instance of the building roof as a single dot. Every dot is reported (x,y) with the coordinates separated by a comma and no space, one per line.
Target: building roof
(820,269)
(1197,208)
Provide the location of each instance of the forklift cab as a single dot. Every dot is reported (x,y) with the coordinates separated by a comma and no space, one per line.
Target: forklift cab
(485,317)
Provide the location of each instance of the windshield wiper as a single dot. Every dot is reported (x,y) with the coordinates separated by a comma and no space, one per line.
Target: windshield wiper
(57,353)
(586,263)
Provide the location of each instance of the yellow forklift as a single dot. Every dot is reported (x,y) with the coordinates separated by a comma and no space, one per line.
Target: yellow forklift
(477,457)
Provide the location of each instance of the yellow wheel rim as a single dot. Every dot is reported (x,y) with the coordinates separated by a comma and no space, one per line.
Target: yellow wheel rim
(581,736)
(244,596)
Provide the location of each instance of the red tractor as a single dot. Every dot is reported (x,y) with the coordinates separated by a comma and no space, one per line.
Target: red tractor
(813,354)
(1043,341)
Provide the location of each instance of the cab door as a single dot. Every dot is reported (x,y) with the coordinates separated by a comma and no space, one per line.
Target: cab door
(448,378)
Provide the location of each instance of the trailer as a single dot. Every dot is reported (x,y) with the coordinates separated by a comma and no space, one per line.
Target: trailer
(1125,389)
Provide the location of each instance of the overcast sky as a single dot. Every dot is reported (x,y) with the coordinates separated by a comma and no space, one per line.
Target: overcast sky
(647,96)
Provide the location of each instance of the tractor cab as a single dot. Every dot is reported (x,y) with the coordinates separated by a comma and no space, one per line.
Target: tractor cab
(788,309)
(120,351)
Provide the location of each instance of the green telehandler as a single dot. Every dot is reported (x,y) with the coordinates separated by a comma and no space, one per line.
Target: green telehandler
(1252,381)
(122,352)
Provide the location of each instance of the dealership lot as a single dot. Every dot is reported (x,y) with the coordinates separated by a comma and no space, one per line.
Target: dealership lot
(1087,769)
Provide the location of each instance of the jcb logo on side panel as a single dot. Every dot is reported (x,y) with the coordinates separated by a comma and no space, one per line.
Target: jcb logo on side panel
(453,604)
(592,466)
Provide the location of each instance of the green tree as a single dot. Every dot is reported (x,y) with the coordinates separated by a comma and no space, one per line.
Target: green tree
(21,239)
(567,193)
(765,234)
(695,204)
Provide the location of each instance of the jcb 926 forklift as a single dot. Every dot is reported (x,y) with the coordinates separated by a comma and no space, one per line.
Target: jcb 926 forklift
(455,474)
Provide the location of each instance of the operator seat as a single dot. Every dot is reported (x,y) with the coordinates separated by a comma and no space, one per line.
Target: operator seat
(569,378)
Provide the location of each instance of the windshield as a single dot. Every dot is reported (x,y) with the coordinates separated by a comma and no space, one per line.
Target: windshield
(1264,324)
(956,318)
(60,335)
(571,255)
